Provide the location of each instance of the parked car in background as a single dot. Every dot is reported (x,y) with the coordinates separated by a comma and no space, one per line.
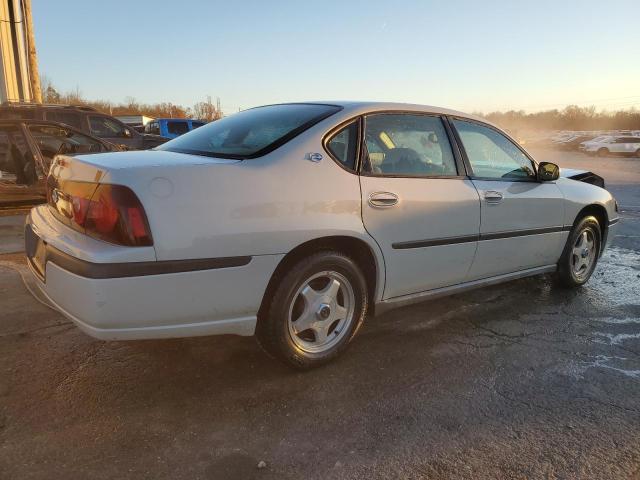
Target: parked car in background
(586,143)
(294,221)
(614,145)
(85,119)
(572,143)
(172,127)
(27,148)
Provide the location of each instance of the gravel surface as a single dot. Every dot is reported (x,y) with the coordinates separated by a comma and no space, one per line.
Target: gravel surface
(521,380)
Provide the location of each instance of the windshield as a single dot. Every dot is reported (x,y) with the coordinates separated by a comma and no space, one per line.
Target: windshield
(250,133)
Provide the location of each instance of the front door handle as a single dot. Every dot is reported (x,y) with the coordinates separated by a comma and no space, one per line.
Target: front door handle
(383,199)
(492,196)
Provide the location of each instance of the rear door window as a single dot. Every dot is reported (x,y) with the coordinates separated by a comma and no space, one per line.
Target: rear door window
(177,128)
(68,118)
(407,145)
(17,164)
(251,133)
(52,140)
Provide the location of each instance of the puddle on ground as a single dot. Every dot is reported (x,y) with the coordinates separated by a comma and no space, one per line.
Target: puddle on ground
(614,288)
(612,363)
(616,280)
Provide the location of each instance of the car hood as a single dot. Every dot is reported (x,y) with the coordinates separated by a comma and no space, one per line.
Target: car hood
(571,172)
(155,139)
(582,176)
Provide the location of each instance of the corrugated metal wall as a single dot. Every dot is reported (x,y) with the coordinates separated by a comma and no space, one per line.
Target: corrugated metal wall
(14,73)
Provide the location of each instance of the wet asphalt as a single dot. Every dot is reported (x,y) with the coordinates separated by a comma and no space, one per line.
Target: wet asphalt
(521,380)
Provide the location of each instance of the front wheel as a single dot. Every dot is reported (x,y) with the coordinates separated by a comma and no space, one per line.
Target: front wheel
(581,253)
(315,311)
(603,152)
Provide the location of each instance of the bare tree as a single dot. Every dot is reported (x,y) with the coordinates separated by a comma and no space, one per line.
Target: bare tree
(204,110)
(49,92)
(207,110)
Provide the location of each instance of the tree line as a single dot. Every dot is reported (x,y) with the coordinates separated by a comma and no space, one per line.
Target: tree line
(572,117)
(206,110)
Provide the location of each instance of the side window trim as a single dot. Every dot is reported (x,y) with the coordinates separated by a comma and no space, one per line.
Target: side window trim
(465,157)
(336,130)
(459,160)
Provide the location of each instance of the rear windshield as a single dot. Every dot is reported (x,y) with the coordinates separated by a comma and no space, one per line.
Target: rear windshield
(251,133)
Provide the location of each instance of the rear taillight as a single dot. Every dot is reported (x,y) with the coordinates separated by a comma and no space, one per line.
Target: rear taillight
(109,212)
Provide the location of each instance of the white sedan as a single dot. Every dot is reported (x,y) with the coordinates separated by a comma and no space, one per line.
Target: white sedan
(295,221)
(613,145)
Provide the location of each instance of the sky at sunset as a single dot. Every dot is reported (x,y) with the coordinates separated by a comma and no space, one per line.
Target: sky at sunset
(467,55)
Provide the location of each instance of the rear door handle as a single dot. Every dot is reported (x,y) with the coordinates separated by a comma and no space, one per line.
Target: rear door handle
(492,196)
(383,199)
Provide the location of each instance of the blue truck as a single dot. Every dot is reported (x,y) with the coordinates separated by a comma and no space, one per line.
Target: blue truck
(172,127)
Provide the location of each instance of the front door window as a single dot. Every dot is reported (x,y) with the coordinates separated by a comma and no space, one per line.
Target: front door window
(492,155)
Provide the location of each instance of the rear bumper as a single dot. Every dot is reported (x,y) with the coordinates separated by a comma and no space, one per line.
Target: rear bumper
(132,300)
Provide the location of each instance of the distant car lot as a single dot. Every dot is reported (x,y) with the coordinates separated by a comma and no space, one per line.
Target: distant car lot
(617,142)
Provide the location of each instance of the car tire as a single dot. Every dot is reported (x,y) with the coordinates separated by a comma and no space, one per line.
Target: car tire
(638,153)
(580,255)
(603,152)
(325,292)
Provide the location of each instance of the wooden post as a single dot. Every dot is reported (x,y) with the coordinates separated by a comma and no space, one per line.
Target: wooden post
(34,76)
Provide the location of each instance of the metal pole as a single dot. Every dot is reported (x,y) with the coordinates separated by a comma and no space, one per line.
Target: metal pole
(34,76)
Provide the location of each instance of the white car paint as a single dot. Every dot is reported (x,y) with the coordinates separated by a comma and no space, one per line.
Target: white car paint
(202,208)
(619,144)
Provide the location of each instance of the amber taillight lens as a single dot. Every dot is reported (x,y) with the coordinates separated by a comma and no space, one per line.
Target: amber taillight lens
(112,213)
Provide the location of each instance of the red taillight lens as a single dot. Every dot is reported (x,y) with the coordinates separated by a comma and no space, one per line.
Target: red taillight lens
(116,215)
(109,212)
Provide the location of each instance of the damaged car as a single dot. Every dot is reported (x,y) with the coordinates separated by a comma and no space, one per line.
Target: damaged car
(295,222)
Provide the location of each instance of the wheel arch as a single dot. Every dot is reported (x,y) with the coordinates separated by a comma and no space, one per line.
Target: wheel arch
(600,212)
(363,253)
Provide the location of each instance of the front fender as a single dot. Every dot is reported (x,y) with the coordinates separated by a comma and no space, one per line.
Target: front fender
(578,195)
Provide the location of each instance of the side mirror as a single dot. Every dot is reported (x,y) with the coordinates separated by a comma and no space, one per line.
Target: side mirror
(126,133)
(547,172)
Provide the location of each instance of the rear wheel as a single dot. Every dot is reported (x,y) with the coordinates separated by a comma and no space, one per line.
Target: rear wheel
(638,153)
(580,255)
(315,311)
(603,152)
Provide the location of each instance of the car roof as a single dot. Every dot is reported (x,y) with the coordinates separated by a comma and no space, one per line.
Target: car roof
(39,122)
(354,108)
(175,119)
(58,106)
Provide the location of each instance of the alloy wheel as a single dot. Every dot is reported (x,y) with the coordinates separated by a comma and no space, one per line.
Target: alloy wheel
(583,254)
(321,311)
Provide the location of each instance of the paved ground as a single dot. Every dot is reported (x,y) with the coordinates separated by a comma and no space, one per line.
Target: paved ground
(514,381)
